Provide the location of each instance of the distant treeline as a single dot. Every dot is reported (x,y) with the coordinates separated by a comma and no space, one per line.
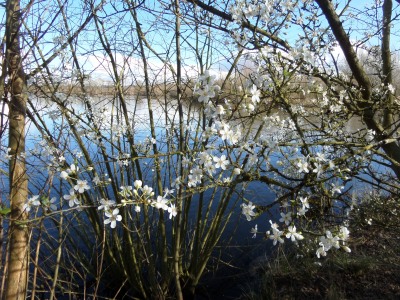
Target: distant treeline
(156,90)
(231,90)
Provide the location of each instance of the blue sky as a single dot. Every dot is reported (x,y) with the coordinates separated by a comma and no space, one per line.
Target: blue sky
(160,40)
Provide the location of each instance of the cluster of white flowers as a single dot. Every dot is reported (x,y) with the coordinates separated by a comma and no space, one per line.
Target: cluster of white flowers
(205,87)
(136,195)
(244,10)
(195,176)
(329,241)
(303,53)
(144,195)
(252,98)
(295,164)
(276,235)
(35,201)
(227,134)
(207,163)
(304,206)
(123,159)
(326,242)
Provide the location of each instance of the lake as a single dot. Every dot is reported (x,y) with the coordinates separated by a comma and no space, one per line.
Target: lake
(103,130)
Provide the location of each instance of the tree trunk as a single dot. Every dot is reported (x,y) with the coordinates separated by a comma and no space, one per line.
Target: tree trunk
(366,105)
(17,272)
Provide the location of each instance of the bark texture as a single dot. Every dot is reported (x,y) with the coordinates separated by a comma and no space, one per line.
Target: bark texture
(17,271)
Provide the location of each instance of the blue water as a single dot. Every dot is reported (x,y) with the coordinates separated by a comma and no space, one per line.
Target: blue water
(240,248)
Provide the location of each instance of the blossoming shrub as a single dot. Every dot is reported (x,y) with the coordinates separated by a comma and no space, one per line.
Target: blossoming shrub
(155,198)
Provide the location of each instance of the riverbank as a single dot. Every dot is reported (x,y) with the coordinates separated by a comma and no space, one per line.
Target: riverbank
(370,271)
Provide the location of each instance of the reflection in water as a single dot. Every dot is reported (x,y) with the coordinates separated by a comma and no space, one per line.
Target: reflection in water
(105,129)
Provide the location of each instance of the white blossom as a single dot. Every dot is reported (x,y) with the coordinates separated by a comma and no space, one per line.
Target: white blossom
(247,210)
(113,217)
(173,211)
(33,201)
